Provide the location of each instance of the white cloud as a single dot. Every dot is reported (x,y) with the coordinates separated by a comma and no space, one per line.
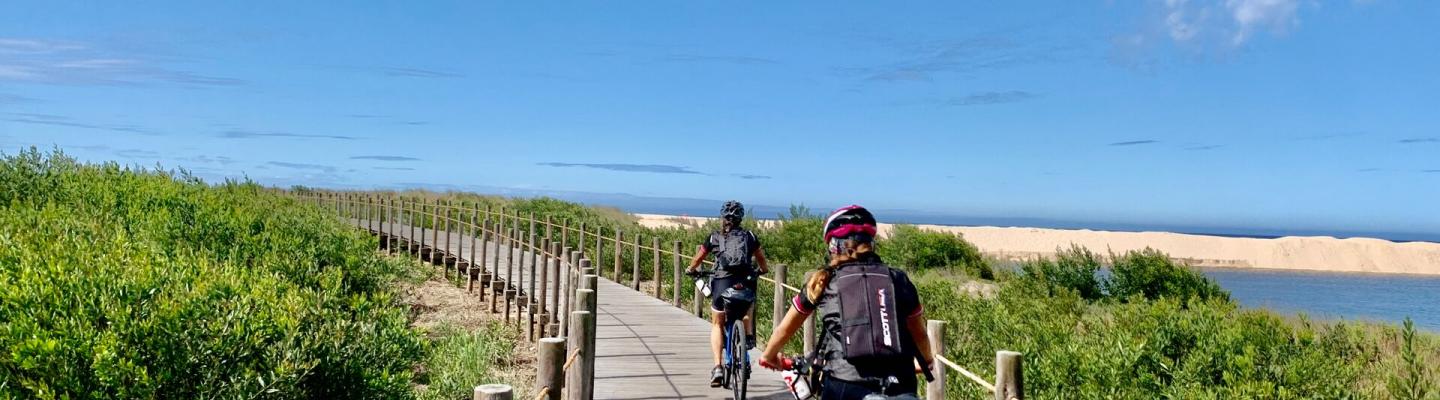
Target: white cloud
(1231,22)
(1250,15)
(70,63)
(35,46)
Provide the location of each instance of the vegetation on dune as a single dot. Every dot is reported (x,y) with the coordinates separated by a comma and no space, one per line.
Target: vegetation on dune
(124,283)
(1131,325)
(132,283)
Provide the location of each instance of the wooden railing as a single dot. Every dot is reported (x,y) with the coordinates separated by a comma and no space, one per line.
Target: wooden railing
(571,322)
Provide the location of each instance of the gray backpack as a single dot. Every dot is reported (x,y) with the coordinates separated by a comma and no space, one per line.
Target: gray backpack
(734,251)
(869,321)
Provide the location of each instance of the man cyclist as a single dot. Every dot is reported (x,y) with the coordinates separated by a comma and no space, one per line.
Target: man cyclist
(737,256)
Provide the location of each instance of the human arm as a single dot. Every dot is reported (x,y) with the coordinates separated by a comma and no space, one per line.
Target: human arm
(916,325)
(793,321)
(760,261)
(700,254)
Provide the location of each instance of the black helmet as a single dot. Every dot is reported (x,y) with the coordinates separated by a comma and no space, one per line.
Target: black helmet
(732,209)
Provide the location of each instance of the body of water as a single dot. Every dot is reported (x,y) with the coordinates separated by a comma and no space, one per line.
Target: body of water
(1335,296)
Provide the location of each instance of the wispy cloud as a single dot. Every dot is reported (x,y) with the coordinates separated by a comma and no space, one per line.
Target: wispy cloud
(924,60)
(59,120)
(1203,147)
(984,98)
(752,177)
(245,134)
(312,167)
(1420,140)
(1327,136)
(6,98)
(1430,171)
(395,168)
(222,160)
(1134,143)
(652,168)
(698,58)
(385,158)
(1368,170)
(404,72)
(30,60)
(137,153)
(1228,23)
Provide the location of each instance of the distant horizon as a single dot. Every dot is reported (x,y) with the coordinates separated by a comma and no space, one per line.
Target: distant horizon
(708,208)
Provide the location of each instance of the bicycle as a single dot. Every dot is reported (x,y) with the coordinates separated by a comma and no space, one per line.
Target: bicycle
(798,379)
(737,301)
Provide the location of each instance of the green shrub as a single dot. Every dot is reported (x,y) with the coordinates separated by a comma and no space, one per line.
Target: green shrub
(1152,274)
(1072,269)
(910,247)
(1413,382)
(126,283)
(458,359)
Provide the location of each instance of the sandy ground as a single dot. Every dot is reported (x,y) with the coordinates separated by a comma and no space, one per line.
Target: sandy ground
(1317,253)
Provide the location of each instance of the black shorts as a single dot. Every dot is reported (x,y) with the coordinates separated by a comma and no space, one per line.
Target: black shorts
(718,286)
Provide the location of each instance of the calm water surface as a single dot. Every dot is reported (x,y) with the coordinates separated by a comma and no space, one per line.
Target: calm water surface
(1334,296)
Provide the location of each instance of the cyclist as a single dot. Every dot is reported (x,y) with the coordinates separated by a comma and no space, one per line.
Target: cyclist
(879,354)
(734,248)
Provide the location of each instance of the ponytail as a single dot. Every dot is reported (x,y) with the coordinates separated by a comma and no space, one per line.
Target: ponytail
(850,250)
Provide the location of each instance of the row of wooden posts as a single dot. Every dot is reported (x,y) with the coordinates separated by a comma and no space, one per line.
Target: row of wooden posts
(568,318)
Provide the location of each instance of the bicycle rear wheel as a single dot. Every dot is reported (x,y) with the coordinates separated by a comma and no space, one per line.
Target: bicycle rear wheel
(738,360)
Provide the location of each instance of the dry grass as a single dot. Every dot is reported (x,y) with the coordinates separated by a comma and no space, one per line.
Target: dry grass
(441,308)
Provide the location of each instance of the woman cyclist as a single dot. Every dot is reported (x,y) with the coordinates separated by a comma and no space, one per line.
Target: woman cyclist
(734,248)
(849,234)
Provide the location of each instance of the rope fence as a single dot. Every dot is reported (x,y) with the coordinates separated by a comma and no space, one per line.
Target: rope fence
(532,268)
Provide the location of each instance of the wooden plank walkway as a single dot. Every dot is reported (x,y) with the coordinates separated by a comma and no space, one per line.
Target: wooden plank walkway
(647,348)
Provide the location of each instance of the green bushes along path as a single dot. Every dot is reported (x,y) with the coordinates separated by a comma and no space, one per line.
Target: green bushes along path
(1149,328)
(121,283)
(118,283)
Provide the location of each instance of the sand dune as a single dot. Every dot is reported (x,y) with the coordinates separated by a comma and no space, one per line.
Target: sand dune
(1319,253)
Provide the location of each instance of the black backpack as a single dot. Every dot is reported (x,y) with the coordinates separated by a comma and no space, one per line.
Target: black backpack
(869,321)
(734,251)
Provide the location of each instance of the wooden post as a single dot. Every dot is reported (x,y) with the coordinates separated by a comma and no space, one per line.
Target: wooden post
(544,267)
(698,301)
(1009,382)
(635,264)
(779,313)
(416,241)
(580,242)
(434,234)
(550,367)
(572,273)
(936,330)
(558,281)
(493,392)
(471,268)
(599,247)
(446,255)
(655,252)
(576,382)
(588,303)
(675,289)
(509,271)
(808,333)
(619,236)
(529,304)
(495,291)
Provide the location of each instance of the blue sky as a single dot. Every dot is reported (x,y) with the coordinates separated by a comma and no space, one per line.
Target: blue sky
(1257,113)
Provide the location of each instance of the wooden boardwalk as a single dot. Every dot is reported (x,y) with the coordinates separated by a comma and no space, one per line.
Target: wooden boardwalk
(646,348)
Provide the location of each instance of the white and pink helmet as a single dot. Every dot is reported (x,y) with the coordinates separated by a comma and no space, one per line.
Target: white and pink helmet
(848,221)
